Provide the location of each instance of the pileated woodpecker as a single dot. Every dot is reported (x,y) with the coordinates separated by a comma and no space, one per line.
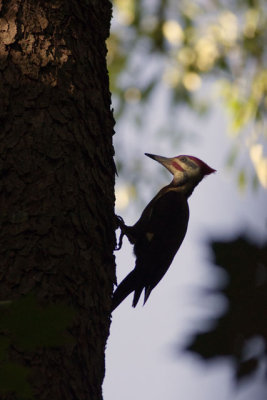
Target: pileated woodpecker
(161,229)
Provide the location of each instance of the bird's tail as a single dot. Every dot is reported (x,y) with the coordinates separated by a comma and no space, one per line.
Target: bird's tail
(124,289)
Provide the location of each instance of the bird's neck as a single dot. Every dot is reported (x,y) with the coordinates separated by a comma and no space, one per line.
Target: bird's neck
(184,185)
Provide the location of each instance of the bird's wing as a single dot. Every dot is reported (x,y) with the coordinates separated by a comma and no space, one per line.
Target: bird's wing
(161,236)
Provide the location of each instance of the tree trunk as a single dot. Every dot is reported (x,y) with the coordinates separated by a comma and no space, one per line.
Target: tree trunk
(56,198)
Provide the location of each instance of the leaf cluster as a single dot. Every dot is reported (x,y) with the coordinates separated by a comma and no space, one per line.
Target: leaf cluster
(240,334)
(27,326)
(181,45)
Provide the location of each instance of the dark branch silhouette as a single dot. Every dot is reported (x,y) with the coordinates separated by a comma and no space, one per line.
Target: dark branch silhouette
(246,316)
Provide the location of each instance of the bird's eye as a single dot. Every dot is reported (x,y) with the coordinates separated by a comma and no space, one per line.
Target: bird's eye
(183,159)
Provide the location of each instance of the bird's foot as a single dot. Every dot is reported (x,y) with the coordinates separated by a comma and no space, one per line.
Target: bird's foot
(125,230)
(121,225)
(120,222)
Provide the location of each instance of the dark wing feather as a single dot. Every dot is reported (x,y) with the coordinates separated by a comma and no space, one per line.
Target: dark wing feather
(157,235)
(159,238)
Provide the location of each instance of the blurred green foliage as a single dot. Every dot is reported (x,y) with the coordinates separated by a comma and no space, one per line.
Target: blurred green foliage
(26,326)
(14,379)
(30,325)
(183,44)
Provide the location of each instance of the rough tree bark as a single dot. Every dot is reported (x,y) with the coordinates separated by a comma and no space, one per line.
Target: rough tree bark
(56,198)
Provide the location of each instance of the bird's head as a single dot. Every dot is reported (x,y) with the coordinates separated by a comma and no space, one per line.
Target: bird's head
(187,171)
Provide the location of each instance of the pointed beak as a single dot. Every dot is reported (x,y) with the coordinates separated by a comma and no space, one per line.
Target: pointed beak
(160,159)
(166,162)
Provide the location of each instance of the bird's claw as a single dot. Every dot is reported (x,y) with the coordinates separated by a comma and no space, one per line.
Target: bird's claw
(121,225)
(120,222)
(118,245)
(125,230)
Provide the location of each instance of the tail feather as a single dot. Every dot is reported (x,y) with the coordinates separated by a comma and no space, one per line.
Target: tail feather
(124,289)
(148,290)
(137,295)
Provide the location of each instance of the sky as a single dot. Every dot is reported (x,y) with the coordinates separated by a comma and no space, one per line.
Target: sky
(144,357)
